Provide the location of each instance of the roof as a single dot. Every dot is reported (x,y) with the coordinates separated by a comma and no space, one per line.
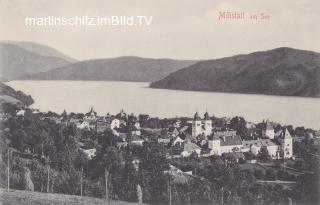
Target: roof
(267,142)
(287,134)
(185,129)
(259,143)
(189,146)
(283,134)
(230,140)
(225,133)
(173,129)
(249,143)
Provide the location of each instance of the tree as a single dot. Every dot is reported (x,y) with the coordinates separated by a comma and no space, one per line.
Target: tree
(263,155)
(239,124)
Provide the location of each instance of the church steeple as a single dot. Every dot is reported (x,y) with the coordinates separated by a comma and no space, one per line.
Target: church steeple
(196,116)
(206,116)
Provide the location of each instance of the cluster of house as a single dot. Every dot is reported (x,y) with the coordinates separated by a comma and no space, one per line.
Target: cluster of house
(202,134)
(196,136)
(118,124)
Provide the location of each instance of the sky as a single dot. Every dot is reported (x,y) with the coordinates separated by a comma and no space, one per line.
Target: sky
(180,29)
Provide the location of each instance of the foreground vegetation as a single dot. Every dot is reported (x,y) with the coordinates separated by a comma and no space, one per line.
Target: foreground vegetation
(18,197)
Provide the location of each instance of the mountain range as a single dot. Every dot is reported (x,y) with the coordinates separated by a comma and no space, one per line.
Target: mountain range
(281,71)
(18,59)
(126,68)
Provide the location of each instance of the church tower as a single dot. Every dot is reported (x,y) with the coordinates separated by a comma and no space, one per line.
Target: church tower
(207,125)
(196,125)
(286,145)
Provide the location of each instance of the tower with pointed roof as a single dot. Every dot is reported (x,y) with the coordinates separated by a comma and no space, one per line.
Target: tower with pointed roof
(196,125)
(286,142)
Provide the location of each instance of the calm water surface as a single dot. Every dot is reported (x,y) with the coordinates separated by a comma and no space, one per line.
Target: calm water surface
(79,96)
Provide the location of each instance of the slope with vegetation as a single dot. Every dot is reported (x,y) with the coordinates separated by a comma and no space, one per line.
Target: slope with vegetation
(8,94)
(281,71)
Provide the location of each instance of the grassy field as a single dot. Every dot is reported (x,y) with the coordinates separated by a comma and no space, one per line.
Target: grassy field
(17,197)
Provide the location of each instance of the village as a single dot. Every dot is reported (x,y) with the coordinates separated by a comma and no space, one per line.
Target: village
(194,136)
(184,138)
(203,148)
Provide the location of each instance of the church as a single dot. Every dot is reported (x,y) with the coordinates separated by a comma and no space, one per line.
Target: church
(201,126)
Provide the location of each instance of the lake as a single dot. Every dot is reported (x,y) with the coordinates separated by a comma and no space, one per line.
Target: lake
(106,96)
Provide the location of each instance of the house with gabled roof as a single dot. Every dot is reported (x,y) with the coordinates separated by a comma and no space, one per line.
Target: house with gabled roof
(173,132)
(224,142)
(254,146)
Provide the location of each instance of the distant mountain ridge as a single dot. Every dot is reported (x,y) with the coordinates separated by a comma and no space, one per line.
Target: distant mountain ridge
(16,61)
(41,49)
(281,71)
(128,68)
